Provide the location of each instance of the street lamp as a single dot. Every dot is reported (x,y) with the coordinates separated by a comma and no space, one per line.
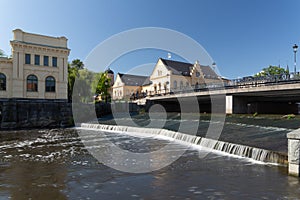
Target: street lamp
(295,48)
(106,84)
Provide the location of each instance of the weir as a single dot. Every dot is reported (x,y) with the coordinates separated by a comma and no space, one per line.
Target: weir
(253,153)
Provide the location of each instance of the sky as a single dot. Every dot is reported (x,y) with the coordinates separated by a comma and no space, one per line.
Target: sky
(241,36)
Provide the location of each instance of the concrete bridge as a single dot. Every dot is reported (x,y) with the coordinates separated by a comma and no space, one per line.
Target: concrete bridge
(277,97)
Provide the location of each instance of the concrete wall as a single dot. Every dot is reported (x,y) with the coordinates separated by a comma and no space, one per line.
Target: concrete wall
(21,113)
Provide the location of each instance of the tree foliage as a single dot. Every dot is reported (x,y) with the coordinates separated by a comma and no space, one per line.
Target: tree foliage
(271,71)
(88,83)
(101,84)
(77,64)
(2,54)
(85,79)
(72,75)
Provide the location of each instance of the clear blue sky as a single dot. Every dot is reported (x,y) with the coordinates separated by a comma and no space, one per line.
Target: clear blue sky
(242,36)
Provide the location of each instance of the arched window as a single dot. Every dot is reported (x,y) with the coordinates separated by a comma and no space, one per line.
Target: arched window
(2,81)
(175,84)
(50,84)
(181,85)
(32,83)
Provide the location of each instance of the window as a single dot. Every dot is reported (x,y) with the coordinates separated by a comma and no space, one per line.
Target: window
(32,83)
(50,84)
(2,82)
(46,60)
(175,84)
(197,74)
(27,59)
(54,61)
(37,59)
(181,85)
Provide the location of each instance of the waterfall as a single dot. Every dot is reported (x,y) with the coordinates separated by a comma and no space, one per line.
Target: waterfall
(253,153)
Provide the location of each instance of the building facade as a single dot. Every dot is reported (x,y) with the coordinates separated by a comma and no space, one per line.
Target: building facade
(127,86)
(38,68)
(167,76)
(175,76)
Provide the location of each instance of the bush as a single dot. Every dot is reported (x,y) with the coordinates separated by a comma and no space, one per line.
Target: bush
(289,116)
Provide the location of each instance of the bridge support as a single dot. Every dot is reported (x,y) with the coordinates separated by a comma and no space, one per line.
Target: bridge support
(294,152)
(229,104)
(236,105)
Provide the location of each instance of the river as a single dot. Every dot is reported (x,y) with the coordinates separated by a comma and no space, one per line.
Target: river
(54,164)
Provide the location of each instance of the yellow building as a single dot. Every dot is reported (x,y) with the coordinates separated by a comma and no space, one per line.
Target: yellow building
(127,86)
(38,68)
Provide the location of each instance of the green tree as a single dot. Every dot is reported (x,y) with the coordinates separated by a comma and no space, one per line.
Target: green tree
(271,71)
(72,75)
(77,64)
(83,85)
(101,85)
(2,54)
(88,83)
(73,72)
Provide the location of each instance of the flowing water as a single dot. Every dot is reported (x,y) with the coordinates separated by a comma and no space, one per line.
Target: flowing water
(54,164)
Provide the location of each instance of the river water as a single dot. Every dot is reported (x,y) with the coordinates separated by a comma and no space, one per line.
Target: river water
(54,164)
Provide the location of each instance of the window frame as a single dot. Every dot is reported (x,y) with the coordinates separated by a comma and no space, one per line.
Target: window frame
(32,79)
(37,60)
(2,84)
(27,56)
(46,63)
(54,64)
(51,88)
(175,84)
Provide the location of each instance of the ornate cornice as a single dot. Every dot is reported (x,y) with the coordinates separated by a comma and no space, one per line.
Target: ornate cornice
(39,47)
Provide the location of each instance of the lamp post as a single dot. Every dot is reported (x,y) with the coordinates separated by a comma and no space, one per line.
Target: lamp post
(106,84)
(295,48)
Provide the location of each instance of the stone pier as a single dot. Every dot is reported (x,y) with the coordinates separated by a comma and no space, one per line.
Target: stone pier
(294,152)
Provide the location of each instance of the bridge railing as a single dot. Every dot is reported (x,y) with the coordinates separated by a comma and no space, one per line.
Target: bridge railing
(245,82)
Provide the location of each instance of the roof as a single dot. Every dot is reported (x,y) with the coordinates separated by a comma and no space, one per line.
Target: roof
(134,80)
(177,67)
(182,68)
(208,72)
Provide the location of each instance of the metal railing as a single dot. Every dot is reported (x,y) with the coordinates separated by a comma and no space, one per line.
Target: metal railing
(245,82)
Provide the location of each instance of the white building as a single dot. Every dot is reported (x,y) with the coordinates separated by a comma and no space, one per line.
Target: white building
(38,68)
(172,76)
(167,76)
